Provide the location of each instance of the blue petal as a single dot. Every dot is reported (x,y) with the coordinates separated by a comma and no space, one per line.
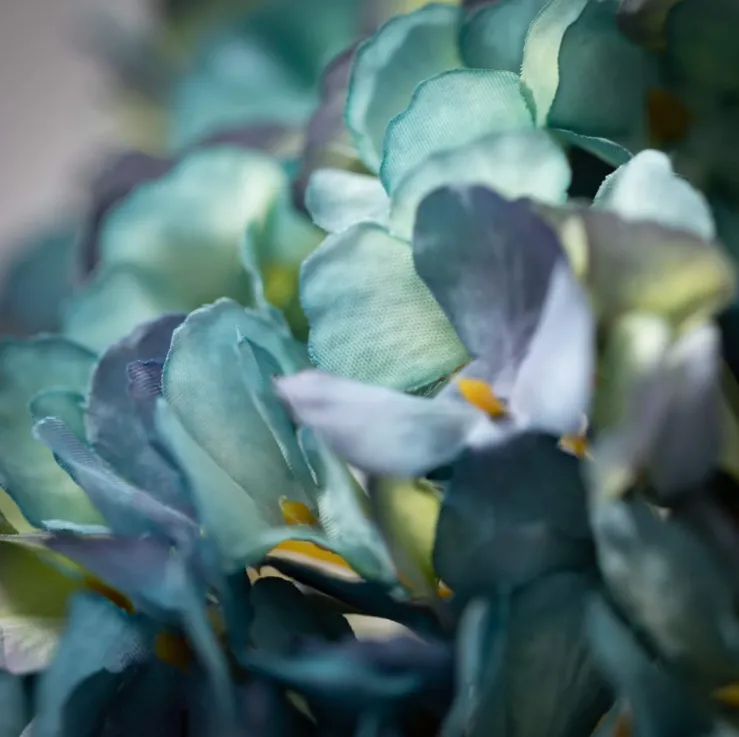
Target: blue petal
(28,471)
(339,199)
(116,430)
(489,263)
(371,317)
(387,68)
(379,430)
(493,36)
(493,102)
(128,509)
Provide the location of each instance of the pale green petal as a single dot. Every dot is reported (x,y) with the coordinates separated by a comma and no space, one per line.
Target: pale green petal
(448,111)
(388,66)
(371,316)
(514,164)
(338,199)
(540,65)
(28,471)
(608,151)
(647,188)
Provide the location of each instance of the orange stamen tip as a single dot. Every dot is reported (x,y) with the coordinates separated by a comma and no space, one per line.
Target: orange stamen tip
(111,594)
(310,550)
(575,444)
(173,649)
(480,394)
(668,117)
(728,695)
(296,513)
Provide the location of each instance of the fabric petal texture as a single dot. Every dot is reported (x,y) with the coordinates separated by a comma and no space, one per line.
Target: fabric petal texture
(494,102)
(371,317)
(515,164)
(388,67)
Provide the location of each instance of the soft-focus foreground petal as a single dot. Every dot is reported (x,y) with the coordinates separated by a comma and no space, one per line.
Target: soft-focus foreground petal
(116,429)
(659,703)
(493,102)
(371,316)
(489,262)
(15,707)
(379,430)
(388,66)
(648,189)
(603,78)
(519,507)
(514,164)
(338,199)
(531,641)
(484,43)
(34,597)
(28,471)
(87,666)
(644,267)
(671,586)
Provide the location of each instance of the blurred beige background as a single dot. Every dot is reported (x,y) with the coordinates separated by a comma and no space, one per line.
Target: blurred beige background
(56,115)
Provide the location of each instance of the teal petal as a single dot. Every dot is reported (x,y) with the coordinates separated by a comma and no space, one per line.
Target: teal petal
(15,711)
(387,68)
(604,79)
(493,37)
(514,164)
(28,471)
(492,102)
(610,152)
(211,390)
(113,302)
(371,316)
(68,406)
(647,188)
(540,65)
(338,199)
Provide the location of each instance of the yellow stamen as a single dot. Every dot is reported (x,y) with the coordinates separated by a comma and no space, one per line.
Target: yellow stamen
(443,591)
(111,594)
(280,284)
(480,394)
(668,118)
(296,513)
(173,649)
(575,444)
(311,550)
(728,695)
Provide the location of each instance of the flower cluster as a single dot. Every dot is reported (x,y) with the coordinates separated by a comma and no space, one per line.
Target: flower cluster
(423,316)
